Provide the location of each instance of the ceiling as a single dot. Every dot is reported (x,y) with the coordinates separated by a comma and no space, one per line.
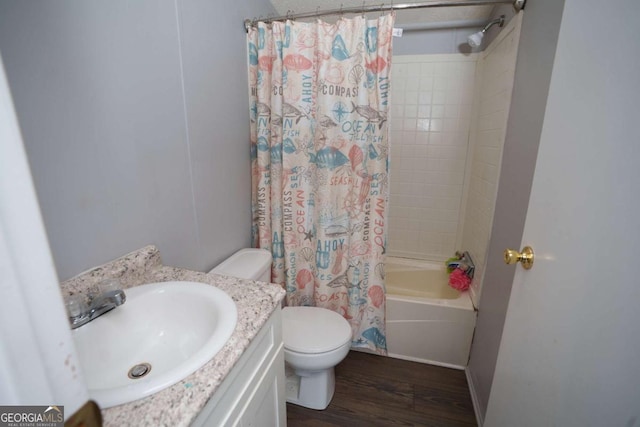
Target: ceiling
(427,15)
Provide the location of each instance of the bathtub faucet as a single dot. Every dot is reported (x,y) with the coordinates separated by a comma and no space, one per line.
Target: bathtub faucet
(104,298)
(464,263)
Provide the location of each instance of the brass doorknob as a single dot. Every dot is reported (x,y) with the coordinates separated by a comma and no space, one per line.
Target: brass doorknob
(525,257)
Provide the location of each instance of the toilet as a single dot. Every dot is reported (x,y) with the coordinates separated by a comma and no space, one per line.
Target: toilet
(315,339)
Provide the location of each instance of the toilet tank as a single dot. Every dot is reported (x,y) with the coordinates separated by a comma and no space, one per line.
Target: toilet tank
(254,264)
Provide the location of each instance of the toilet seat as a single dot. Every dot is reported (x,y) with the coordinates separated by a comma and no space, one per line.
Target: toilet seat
(314,330)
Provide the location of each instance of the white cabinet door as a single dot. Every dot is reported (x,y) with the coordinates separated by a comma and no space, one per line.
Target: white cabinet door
(267,406)
(253,392)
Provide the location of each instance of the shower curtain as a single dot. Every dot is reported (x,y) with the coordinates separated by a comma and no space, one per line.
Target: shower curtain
(319,95)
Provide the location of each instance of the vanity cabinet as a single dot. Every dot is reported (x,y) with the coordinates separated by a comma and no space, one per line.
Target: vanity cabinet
(253,393)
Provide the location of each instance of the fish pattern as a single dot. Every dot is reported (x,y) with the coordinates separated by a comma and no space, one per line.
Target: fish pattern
(263,109)
(319,97)
(297,62)
(329,157)
(327,122)
(289,110)
(370,114)
(339,49)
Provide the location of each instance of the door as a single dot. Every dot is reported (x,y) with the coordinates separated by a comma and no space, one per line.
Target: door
(570,350)
(38,361)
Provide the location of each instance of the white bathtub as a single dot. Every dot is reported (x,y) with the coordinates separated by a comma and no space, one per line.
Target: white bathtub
(427,321)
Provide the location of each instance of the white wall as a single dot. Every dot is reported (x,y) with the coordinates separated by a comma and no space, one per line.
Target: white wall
(38,362)
(428,166)
(445,165)
(134,117)
(431,108)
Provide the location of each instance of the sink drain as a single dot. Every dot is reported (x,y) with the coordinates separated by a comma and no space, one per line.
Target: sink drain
(139,371)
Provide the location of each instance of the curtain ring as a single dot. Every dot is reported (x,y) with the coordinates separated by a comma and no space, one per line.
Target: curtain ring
(317,11)
(288,16)
(363,9)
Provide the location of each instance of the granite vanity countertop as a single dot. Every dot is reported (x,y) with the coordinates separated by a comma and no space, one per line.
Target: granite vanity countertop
(179,404)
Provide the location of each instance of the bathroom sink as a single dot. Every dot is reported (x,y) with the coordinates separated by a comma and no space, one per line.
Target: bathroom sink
(163,333)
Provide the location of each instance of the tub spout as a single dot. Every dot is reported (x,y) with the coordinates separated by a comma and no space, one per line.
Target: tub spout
(468,263)
(464,263)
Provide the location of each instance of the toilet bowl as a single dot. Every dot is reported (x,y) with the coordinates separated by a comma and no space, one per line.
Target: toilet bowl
(315,339)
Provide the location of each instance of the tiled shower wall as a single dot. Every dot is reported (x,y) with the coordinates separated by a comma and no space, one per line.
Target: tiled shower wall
(495,77)
(431,109)
(448,122)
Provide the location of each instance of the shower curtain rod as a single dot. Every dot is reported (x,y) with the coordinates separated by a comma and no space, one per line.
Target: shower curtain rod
(517,4)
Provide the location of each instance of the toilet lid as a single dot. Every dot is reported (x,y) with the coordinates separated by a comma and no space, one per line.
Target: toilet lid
(314,329)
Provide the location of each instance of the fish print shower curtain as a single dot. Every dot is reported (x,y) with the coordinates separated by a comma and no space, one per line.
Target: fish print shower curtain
(319,95)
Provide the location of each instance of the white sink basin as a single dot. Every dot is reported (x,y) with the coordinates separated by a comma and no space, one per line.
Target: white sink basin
(175,327)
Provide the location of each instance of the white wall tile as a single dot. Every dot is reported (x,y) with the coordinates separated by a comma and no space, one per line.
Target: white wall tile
(494,83)
(433,123)
(410,111)
(413,69)
(429,154)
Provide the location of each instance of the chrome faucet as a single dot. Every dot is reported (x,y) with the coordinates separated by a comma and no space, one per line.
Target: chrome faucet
(464,262)
(83,309)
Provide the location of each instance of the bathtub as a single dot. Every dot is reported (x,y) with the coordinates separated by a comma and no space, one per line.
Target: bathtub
(427,321)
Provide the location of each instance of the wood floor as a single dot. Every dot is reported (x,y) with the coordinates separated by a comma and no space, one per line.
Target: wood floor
(381,391)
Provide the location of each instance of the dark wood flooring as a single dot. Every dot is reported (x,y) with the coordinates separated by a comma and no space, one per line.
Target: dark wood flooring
(380,391)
